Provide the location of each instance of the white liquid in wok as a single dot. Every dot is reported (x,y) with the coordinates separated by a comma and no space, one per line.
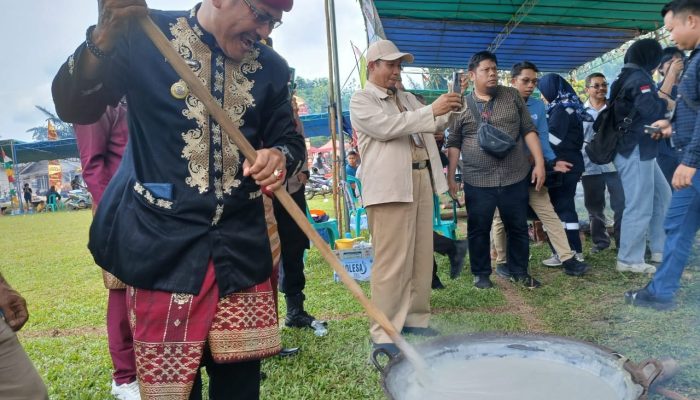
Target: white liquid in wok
(509,379)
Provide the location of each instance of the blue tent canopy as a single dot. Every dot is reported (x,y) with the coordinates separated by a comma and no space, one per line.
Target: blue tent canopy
(318,125)
(39,151)
(47,150)
(551,48)
(557,35)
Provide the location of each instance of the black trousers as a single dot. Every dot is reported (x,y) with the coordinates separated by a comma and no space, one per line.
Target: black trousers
(442,245)
(512,203)
(594,199)
(562,198)
(234,381)
(293,241)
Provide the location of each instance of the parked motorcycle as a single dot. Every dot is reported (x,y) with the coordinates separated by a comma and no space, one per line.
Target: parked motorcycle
(318,184)
(78,199)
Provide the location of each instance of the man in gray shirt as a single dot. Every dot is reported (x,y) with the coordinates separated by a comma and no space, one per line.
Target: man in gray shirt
(490,182)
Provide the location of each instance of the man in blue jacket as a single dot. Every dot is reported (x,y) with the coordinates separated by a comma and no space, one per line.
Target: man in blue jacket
(682,19)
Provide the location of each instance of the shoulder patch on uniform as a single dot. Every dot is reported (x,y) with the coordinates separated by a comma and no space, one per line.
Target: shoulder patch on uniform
(645,88)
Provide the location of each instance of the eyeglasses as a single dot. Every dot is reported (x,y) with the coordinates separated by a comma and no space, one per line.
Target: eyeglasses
(597,86)
(527,81)
(262,17)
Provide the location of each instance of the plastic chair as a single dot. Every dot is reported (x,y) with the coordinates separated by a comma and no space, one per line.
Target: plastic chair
(447,228)
(330,226)
(52,203)
(353,199)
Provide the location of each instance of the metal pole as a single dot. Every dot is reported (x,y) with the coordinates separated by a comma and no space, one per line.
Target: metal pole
(20,196)
(339,106)
(332,116)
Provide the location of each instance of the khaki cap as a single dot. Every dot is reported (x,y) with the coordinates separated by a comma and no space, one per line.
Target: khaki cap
(386,50)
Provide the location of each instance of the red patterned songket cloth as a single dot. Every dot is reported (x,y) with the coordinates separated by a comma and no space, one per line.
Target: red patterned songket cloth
(171,331)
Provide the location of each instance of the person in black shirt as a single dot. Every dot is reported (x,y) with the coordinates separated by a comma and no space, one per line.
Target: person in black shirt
(27,195)
(565,116)
(647,193)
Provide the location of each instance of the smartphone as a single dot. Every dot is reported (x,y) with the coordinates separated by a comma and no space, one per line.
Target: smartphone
(651,130)
(291,85)
(456,82)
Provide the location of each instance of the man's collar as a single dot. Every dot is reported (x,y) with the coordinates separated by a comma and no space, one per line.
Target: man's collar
(203,35)
(588,105)
(381,92)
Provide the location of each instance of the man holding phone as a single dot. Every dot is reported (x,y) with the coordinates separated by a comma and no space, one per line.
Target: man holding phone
(399,175)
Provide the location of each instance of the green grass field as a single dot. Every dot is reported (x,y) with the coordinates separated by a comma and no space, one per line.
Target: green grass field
(46,259)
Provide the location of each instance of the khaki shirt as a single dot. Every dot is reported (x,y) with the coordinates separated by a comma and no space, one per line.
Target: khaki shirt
(384,138)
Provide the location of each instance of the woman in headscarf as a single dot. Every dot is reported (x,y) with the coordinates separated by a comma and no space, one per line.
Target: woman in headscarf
(647,193)
(565,116)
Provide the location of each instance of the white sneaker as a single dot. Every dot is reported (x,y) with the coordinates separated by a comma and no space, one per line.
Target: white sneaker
(552,261)
(657,257)
(579,257)
(126,391)
(642,268)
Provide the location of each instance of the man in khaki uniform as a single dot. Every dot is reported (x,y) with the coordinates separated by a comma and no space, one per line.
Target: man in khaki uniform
(18,377)
(400,171)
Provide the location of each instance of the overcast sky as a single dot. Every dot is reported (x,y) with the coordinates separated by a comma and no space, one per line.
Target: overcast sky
(40,34)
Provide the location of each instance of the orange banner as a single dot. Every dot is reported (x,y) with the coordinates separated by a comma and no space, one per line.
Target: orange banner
(52,135)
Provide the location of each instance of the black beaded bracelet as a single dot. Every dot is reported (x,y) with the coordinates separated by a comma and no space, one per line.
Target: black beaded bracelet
(96,51)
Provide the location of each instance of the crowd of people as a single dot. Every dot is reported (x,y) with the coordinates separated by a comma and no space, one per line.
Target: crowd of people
(536,165)
(194,245)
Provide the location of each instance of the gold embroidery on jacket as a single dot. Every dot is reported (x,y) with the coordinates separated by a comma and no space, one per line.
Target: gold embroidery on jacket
(196,149)
(237,99)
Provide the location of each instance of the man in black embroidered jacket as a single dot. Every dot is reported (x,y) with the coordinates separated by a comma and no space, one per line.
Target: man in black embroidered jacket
(182,220)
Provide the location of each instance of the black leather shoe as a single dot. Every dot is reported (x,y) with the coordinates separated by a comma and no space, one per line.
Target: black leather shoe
(437,283)
(643,298)
(289,351)
(483,282)
(527,281)
(504,271)
(457,259)
(574,267)
(301,319)
(412,330)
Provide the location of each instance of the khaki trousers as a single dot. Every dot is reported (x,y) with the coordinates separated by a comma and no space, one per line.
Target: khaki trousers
(19,380)
(542,205)
(402,238)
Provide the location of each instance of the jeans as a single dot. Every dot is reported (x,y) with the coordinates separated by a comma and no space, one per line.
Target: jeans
(647,195)
(512,202)
(682,223)
(594,199)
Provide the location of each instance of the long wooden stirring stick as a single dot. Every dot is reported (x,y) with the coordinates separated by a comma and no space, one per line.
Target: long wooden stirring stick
(198,89)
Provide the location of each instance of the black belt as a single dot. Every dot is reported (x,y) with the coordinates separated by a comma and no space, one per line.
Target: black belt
(420,164)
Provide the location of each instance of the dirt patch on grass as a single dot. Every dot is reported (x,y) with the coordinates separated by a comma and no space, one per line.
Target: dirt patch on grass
(518,306)
(54,333)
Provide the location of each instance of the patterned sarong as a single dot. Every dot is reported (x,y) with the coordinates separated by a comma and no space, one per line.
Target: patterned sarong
(171,331)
